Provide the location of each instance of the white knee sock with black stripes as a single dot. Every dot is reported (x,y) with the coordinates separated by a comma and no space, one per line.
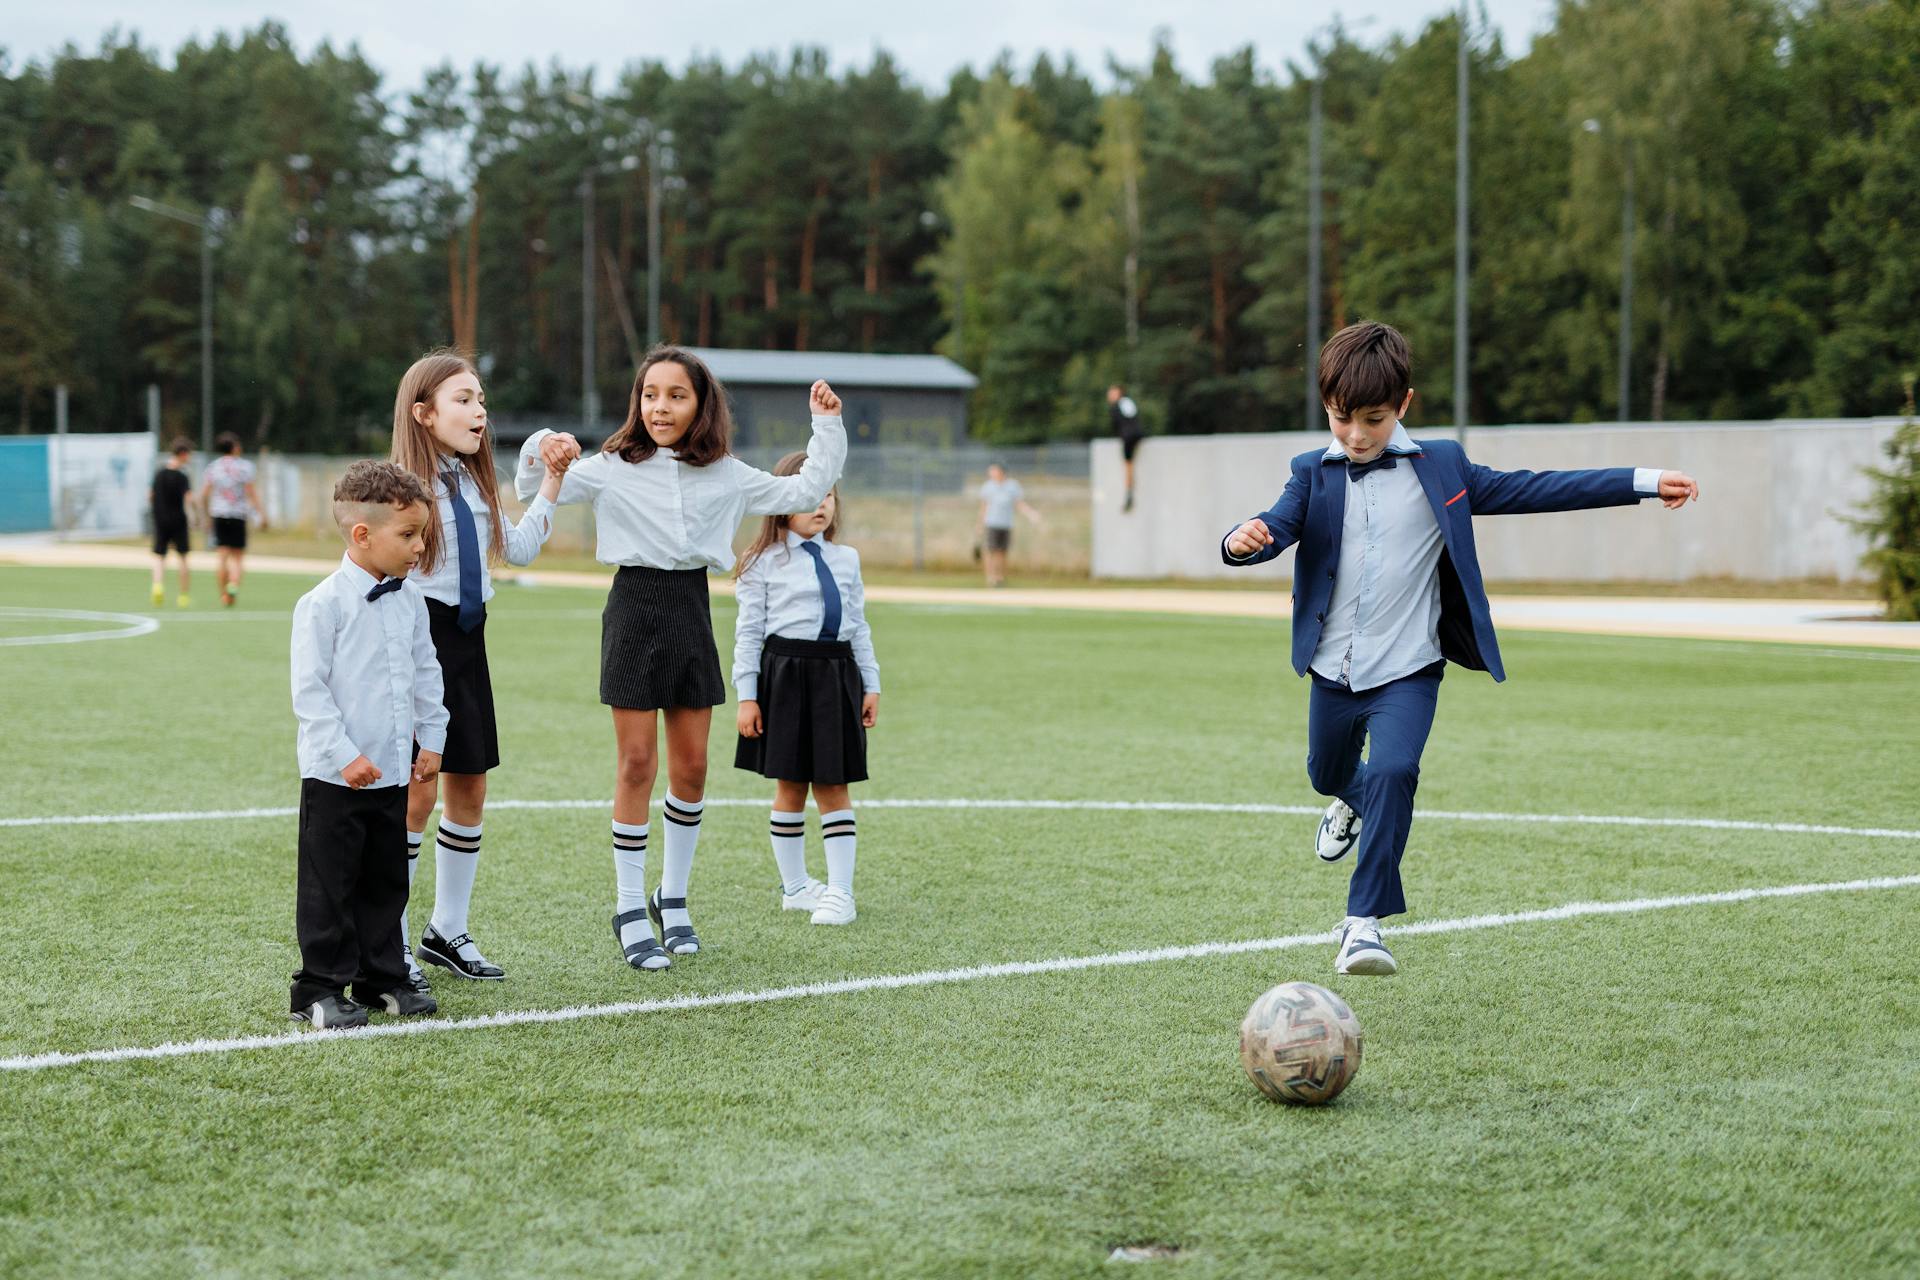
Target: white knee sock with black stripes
(456,858)
(630,878)
(414,840)
(676,859)
(836,829)
(789,834)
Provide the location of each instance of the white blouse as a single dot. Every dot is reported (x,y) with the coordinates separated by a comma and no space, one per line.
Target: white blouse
(665,514)
(779,595)
(523,540)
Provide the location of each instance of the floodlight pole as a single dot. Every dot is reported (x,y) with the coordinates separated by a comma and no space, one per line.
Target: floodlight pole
(1313,409)
(1626,284)
(1460,242)
(206,305)
(653,237)
(589,395)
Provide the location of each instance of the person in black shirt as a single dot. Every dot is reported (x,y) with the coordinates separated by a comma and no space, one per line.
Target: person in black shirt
(1126,425)
(169,493)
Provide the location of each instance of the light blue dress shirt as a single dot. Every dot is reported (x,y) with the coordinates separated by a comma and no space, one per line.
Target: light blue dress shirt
(366,679)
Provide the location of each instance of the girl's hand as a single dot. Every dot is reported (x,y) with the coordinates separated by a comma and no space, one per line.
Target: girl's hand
(559,451)
(824,401)
(1250,537)
(749,718)
(869,709)
(1677,488)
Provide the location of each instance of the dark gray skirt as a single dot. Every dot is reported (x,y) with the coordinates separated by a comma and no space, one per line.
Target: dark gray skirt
(656,641)
(810,730)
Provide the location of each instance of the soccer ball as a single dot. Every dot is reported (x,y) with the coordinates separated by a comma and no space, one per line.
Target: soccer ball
(1300,1043)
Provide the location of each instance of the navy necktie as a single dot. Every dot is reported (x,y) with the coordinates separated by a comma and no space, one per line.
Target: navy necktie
(1355,470)
(382,588)
(829,593)
(467,538)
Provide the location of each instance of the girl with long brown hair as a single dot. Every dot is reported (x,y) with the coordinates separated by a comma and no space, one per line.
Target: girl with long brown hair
(667,496)
(441,434)
(809,689)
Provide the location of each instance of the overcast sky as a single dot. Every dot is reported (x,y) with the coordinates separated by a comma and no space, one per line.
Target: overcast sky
(404,37)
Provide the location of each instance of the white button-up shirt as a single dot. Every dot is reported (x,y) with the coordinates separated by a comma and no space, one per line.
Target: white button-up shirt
(664,514)
(366,681)
(779,595)
(523,541)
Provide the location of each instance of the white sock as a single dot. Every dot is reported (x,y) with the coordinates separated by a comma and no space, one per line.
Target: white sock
(414,841)
(456,857)
(676,859)
(836,829)
(789,833)
(630,879)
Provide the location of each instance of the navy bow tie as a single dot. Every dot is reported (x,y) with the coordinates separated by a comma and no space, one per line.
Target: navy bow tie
(1355,470)
(381,588)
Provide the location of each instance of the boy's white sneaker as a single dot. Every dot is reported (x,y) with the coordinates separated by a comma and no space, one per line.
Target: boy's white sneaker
(1339,832)
(808,899)
(836,907)
(1360,950)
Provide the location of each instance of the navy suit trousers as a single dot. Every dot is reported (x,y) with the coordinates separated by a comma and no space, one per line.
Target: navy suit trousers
(1392,721)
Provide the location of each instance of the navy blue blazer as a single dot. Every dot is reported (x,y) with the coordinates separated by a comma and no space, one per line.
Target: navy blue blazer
(1312,512)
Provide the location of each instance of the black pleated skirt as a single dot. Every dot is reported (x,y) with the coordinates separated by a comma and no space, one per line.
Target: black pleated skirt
(810,730)
(473,739)
(656,641)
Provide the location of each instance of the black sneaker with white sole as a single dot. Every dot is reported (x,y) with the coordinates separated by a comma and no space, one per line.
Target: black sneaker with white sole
(460,955)
(403,1002)
(1339,832)
(416,980)
(331,1013)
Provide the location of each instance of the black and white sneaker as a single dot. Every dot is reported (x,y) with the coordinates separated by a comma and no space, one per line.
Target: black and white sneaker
(404,1002)
(331,1013)
(416,980)
(1360,950)
(1339,832)
(459,955)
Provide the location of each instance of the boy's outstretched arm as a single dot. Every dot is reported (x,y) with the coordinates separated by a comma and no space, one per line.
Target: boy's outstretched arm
(1497,493)
(1272,531)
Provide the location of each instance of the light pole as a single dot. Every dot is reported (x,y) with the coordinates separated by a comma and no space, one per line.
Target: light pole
(1460,241)
(1626,271)
(1315,409)
(206,305)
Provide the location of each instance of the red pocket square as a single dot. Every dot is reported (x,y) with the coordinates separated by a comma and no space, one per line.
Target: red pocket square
(1456,497)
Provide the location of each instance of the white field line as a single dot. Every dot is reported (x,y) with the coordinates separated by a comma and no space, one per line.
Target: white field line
(129,625)
(931,977)
(1070,806)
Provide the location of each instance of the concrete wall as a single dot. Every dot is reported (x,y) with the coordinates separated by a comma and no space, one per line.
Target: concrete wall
(1771,494)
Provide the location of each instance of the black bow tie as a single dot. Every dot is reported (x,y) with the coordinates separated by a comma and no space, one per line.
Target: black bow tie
(381,588)
(1355,470)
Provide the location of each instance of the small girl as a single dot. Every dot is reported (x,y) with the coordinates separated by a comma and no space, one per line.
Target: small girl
(667,497)
(809,689)
(441,434)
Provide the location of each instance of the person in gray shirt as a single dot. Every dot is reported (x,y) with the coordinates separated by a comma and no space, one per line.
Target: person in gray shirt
(1000,497)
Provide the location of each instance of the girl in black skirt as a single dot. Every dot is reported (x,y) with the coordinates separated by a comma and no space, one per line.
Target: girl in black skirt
(441,434)
(809,689)
(667,498)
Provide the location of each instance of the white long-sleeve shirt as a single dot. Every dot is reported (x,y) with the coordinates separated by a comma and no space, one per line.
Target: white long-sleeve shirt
(366,681)
(779,595)
(523,541)
(665,514)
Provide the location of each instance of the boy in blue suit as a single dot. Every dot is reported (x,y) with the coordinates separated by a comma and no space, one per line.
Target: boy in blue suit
(1386,592)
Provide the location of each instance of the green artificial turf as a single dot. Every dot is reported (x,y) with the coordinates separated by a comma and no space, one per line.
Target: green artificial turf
(1721,1090)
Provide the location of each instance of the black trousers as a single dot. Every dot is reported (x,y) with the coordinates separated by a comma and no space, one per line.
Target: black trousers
(352,889)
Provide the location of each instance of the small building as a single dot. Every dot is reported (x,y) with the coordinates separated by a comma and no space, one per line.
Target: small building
(891,399)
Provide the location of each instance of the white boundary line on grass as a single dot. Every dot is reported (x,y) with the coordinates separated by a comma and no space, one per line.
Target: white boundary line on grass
(1075,806)
(131,625)
(931,977)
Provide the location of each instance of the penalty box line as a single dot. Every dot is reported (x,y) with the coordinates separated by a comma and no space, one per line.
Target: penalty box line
(1086,806)
(929,978)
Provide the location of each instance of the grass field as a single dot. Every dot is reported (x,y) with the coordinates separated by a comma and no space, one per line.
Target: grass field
(1719,1090)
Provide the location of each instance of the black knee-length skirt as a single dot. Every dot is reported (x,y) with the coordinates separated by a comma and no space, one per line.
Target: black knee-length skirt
(810,730)
(656,641)
(473,739)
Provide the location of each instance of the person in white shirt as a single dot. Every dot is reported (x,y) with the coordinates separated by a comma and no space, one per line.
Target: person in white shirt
(366,692)
(667,497)
(809,689)
(230,500)
(442,436)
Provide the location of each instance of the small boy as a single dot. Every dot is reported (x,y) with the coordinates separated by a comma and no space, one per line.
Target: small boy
(367,693)
(1387,591)
(168,495)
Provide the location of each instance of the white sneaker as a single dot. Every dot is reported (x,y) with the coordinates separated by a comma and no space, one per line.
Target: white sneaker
(808,899)
(1361,951)
(1339,832)
(836,907)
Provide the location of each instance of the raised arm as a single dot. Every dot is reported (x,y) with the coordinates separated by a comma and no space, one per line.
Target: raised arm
(582,483)
(771,495)
(524,540)
(1272,531)
(323,730)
